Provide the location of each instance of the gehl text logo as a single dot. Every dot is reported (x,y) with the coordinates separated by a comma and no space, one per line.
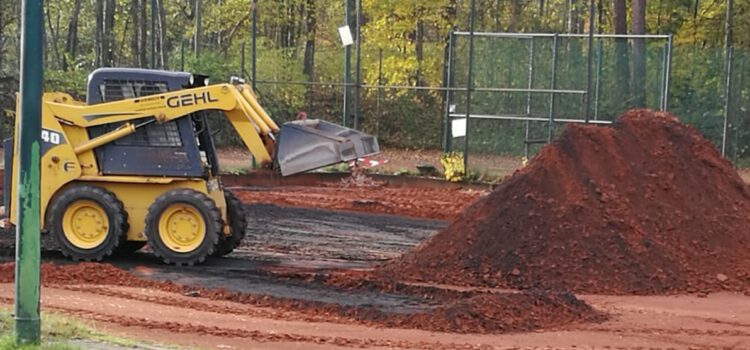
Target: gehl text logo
(190,99)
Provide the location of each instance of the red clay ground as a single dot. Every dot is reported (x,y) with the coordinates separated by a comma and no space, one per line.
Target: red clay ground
(195,316)
(452,312)
(431,203)
(720,321)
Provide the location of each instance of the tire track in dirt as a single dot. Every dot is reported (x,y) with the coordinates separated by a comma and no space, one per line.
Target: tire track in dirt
(478,314)
(273,337)
(680,331)
(430,203)
(235,309)
(259,336)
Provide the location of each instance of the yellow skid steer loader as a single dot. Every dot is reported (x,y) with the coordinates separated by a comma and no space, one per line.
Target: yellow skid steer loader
(137,164)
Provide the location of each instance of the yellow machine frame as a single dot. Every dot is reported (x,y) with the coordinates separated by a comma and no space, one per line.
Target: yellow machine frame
(69,158)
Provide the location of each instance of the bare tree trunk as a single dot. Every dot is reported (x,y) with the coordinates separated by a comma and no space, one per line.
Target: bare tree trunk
(99,33)
(639,53)
(516,13)
(572,16)
(695,21)
(198,28)
(498,12)
(163,45)
(311,19)
(419,50)
(622,62)
(541,9)
(108,53)
(143,35)
(71,44)
(120,48)
(54,32)
(2,43)
(291,40)
(134,47)
(139,39)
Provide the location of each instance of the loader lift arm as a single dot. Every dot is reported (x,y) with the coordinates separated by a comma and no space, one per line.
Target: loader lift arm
(256,129)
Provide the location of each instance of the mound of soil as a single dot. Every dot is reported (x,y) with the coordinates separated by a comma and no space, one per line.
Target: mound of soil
(646,206)
(497,313)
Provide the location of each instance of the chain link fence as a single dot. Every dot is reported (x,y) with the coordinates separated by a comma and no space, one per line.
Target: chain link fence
(526,86)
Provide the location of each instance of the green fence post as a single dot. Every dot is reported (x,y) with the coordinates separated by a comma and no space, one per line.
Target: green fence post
(469,84)
(27,204)
(347,67)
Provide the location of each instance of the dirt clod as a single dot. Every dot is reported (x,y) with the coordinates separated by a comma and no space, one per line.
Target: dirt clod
(647,206)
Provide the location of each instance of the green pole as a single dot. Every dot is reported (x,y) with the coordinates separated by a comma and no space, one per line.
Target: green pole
(27,204)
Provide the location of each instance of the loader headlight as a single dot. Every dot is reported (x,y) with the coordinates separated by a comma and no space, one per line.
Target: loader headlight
(212,185)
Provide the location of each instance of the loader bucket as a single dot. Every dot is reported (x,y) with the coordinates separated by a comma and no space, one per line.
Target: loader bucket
(305,145)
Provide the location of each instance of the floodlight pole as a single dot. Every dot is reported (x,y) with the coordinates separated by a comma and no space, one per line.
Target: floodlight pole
(27,324)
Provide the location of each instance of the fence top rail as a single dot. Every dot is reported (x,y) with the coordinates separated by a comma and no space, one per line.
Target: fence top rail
(562,35)
(521,117)
(429,88)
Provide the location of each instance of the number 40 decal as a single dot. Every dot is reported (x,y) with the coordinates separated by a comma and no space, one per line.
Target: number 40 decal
(52,137)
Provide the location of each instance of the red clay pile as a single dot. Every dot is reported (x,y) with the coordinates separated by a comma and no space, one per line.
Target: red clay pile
(647,206)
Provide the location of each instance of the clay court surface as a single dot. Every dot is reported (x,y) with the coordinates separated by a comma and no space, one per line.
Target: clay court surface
(274,295)
(630,237)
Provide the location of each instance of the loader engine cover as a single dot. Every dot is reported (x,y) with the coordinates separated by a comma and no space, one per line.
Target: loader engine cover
(311,144)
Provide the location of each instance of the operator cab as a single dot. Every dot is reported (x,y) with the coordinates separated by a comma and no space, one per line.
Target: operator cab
(179,148)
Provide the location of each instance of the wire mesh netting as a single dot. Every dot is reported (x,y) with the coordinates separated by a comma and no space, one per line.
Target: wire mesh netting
(523,81)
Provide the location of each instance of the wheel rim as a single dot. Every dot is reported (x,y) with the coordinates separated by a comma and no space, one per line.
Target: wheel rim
(85,224)
(182,228)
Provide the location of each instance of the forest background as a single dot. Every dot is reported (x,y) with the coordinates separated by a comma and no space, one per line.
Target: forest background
(397,90)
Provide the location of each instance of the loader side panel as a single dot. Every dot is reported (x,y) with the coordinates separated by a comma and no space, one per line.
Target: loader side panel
(59,163)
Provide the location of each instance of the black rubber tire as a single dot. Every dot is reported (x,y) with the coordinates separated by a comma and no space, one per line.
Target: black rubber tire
(112,206)
(238,225)
(211,217)
(129,247)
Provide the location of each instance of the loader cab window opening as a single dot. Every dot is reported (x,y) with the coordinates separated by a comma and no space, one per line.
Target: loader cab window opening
(115,90)
(152,135)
